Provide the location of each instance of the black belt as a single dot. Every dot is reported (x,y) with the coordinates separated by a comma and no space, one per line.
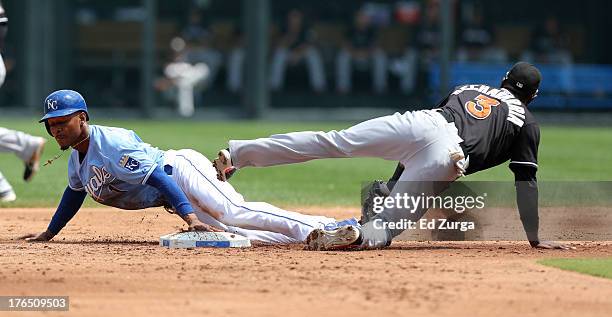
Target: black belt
(450,119)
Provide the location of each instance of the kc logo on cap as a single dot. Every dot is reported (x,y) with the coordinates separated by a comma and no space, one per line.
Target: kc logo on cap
(51,104)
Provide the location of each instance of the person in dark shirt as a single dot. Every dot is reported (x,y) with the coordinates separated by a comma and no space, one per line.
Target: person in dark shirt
(422,49)
(296,45)
(476,42)
(361,48)
(549,44)
(475,127)
(199,47)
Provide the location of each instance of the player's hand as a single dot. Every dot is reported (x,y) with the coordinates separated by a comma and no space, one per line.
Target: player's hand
(41,237)
(196,225)
(203,227)
(553,245)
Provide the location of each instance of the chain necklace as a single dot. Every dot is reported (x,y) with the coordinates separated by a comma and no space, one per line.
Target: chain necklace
(62,152)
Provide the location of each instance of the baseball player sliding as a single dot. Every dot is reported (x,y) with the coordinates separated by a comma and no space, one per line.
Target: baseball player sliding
(116,168)
(474,128)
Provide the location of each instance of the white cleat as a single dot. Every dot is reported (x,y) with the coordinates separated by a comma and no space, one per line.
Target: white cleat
(223,165)
(338,239)
(7,197)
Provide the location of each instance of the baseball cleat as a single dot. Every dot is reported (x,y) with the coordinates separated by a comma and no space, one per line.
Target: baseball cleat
(223,165)
(32,166)
(8,196)
(339,239)
(342,223)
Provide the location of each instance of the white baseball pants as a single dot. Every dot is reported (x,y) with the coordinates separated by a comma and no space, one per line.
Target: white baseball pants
(218,204)
(422,141)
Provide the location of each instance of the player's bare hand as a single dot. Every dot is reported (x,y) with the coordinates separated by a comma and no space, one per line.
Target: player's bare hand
(41,237)
(553,245)
(203,227)
(196,225)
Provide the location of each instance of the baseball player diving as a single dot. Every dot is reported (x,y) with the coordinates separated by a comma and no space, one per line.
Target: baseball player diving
(116,168)
(474,128)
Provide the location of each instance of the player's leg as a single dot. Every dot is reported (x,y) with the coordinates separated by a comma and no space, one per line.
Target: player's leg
(263,236)
(395,137)
(27,147)
(196,176)
(253,235)
(6,190)
(427,173)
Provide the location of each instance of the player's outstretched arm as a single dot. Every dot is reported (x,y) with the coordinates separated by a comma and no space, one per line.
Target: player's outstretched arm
(527,201)
(168,187)
(69,205)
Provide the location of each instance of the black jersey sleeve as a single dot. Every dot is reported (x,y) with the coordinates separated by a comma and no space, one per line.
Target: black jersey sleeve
(524,151)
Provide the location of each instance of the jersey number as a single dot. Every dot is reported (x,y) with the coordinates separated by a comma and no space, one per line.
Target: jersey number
(480,107)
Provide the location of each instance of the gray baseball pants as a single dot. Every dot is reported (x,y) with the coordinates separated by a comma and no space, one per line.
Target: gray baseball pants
(20,143)
(423,141)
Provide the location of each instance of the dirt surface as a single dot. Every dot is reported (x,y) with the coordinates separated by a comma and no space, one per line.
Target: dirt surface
(109,261)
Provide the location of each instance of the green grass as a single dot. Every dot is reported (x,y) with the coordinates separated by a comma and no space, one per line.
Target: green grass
(601,267)
(566,153)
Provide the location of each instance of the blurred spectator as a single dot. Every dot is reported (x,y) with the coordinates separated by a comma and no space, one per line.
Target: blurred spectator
(429,37)
(427,40)
(235,63)
(198,47)
(194,66)
(182,79)
(548,44)
(295,45)
(476,42)
(361,47)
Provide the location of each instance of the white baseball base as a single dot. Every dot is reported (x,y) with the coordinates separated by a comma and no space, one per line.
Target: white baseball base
(198,239)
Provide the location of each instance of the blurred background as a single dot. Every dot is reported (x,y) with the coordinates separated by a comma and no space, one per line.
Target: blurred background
(219,59)
(196,73)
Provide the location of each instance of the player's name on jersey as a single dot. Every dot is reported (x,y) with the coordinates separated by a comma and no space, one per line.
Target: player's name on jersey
(516,112)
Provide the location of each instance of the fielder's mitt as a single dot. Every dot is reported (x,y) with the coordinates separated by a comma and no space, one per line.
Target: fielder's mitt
(378,188)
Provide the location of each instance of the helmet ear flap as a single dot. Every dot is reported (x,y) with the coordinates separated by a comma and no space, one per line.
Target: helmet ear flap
(48,128)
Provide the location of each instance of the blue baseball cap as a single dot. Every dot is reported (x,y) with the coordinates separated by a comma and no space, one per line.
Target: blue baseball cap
(63,103)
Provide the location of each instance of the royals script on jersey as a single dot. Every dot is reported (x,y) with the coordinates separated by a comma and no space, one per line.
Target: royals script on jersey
(115,169)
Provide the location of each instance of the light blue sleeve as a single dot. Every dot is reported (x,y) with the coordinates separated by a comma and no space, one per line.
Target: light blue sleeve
(129,159)
(74,182)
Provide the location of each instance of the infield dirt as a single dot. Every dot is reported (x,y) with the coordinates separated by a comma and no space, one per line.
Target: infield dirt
(109,262)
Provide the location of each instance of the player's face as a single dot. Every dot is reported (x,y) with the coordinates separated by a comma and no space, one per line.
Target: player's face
(66,130)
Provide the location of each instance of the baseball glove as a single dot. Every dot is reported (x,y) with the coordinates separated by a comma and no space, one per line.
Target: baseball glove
(378,188)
